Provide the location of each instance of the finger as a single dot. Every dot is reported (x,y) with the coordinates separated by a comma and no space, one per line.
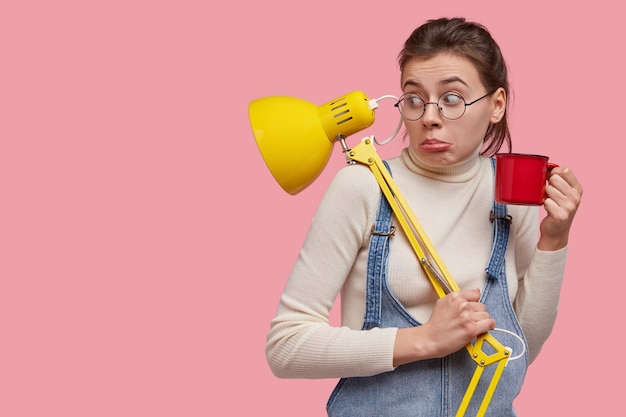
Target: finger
(563,193)
(562,200)
(484,326)
(566,174)
(554,193)
(478,308)
(470,295)
(560,212)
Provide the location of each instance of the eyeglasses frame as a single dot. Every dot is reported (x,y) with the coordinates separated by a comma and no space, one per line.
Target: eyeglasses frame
(397,104)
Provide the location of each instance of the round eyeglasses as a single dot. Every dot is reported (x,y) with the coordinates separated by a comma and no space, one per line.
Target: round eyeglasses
(451,105)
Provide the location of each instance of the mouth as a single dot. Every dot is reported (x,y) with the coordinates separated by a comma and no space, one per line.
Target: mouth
(434,145)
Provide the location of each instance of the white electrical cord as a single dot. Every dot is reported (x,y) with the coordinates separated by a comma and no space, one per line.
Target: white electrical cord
(373,105)
(511,349)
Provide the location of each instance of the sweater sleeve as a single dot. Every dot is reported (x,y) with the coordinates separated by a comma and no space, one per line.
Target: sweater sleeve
(540,275)
(301,342)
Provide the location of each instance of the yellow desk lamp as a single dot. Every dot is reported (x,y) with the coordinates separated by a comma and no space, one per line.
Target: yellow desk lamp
(296,137)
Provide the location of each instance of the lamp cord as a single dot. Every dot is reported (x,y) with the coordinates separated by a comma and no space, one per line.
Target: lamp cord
(373,104)
(497,329)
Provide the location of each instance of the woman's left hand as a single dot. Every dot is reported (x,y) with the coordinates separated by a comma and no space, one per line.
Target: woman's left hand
(563,195)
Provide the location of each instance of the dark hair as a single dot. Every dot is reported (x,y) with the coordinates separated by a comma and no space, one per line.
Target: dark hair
(474,42)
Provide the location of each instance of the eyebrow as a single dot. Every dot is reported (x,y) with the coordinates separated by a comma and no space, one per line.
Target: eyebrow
(443,82)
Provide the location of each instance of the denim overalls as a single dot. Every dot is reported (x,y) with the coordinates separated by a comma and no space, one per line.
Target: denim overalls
(434,387)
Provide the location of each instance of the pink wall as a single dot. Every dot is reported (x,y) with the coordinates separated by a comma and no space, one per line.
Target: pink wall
(144,245)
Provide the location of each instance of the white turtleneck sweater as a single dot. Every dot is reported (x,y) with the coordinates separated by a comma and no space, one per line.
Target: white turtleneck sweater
(452,205)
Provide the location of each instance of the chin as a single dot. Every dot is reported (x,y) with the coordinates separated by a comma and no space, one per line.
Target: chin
(437,159)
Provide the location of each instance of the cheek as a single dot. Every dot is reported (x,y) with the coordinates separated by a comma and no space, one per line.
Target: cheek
(408,130)
(474,133)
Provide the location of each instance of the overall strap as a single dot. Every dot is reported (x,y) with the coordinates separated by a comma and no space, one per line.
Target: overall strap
(501,226)
(378,256)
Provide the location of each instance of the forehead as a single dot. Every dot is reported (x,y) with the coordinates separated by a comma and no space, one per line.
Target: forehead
(440,70)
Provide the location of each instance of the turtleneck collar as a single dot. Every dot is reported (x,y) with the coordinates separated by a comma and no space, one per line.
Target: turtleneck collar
(461,172)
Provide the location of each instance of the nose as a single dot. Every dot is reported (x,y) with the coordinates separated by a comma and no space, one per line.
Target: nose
(432,115)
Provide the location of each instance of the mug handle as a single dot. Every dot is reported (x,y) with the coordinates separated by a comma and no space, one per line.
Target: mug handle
(550,165)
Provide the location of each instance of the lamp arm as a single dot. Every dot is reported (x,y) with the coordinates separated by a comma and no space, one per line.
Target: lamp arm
(439,276)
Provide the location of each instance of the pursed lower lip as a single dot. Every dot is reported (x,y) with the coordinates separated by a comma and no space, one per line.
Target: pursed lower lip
(434,145)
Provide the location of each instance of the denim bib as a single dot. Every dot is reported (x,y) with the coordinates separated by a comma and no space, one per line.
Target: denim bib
(433,387)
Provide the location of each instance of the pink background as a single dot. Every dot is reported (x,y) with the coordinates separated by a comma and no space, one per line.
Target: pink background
(144,245)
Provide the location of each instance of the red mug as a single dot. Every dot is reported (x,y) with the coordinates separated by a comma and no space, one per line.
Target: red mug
(521,178)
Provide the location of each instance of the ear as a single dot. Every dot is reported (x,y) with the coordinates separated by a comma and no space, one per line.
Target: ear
(498,104)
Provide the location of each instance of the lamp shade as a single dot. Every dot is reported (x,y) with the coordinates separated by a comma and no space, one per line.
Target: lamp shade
(295,137)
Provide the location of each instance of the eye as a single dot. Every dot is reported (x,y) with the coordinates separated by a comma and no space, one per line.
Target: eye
(451,99)
(413,100)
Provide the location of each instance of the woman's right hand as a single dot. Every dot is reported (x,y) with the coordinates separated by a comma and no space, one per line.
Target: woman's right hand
(456,320)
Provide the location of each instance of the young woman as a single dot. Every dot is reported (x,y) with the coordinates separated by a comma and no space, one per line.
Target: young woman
(400,350)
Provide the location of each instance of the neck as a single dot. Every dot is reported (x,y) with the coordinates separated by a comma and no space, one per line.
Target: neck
(459,172)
